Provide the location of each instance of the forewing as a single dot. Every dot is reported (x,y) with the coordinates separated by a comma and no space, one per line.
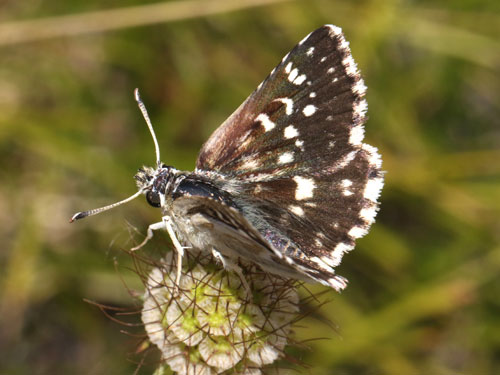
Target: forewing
(312,99)
(295,148)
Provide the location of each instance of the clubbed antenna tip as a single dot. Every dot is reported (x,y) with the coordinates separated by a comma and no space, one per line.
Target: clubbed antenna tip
(95,211)
(144,112)
(78,215)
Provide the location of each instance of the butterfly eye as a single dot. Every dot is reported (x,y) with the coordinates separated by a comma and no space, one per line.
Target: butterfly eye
(153,198)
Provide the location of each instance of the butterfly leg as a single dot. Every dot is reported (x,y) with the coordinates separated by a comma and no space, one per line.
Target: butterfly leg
(166,223)
(178,247)
(149,235)
(229,265)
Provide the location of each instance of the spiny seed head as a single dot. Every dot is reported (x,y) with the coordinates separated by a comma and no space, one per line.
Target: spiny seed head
(213,324)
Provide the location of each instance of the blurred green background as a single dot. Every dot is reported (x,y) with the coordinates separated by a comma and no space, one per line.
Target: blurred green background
(424,293)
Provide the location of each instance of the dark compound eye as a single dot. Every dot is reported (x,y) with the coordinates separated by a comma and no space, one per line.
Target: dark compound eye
(153,198)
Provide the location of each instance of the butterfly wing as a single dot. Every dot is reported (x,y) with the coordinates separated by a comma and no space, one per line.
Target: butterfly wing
(295,148)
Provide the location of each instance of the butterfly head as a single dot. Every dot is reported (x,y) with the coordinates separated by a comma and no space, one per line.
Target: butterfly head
(154,183)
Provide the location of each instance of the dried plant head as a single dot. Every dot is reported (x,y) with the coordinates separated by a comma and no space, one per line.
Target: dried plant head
(214,324)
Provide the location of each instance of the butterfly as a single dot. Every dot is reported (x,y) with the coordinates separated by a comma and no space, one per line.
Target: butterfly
(286,182)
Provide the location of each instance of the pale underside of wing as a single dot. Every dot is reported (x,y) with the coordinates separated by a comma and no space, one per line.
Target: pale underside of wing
(206,223)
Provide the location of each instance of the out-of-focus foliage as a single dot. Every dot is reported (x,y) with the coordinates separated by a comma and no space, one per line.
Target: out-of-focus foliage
(424,291)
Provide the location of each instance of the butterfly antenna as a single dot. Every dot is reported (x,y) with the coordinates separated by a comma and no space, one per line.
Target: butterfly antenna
(144,111)
(95,211)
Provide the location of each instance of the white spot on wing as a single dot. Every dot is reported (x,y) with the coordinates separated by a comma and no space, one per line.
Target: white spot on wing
(316,260)
(373,156)
(312,95)
(297,210)
(330,70)
(350,66)
(300,144)
(286,157)
(357,232)
(346,183)
(339,252)
(265,121)
(328,261)
(359,87)
(368,214)
(344,44)
(320,263)
(309,110)
(338,283)
(360,108)
(334,30)
(290,132)
(293,74)
(288,103)
(373,187)
(323,59)
(300,79)
(288,68)
(357,134)
(305,187)
(310,51)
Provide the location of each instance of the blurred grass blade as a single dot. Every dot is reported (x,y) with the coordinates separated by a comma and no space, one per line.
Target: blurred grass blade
(95,22)
(453,41)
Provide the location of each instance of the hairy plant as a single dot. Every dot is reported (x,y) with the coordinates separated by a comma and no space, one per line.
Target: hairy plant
(216,323)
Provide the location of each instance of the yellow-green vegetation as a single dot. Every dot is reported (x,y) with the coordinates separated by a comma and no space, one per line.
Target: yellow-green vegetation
(424,288)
